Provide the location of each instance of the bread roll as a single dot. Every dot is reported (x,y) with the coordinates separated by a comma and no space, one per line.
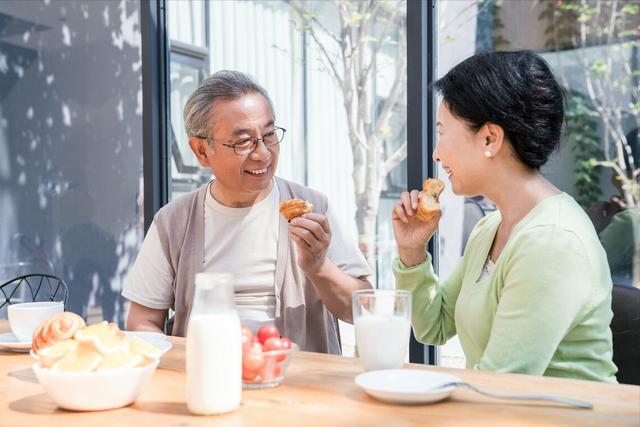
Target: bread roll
(59,327)
(294,208)
(429,202)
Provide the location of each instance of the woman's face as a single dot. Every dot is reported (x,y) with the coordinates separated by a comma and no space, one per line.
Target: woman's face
(461,152)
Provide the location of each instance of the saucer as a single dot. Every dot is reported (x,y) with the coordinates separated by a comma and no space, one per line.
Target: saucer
(407,386)
(8,341)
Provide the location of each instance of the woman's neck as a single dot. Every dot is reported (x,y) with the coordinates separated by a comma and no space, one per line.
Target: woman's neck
(515,193)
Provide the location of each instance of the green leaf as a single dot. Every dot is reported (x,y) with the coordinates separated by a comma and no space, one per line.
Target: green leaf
(583,18)
(600,67)
(631,9)
(355,19)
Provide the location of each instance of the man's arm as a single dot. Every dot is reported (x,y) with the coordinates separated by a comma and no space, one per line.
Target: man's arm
(147,319)
(148,286)
(312,234)
(335,288)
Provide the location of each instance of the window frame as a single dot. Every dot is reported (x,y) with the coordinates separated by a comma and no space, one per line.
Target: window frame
(421,37)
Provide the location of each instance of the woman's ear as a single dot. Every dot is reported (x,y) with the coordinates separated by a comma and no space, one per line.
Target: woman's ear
(201,150)
(493,139)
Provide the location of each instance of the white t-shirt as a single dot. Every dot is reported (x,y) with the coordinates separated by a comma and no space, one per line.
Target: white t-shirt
(241,241)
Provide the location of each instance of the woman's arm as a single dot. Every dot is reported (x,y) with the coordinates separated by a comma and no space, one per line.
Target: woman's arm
(433,304)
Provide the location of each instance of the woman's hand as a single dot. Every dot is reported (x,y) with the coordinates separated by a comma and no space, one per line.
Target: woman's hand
(411,233)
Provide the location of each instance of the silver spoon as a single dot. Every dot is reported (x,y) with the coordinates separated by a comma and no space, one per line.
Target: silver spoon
(561,400)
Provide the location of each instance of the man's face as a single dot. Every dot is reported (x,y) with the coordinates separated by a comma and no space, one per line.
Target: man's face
(241,177)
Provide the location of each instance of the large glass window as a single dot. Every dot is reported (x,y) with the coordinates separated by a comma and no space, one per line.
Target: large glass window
(71,146)
(592,47)
(343,104)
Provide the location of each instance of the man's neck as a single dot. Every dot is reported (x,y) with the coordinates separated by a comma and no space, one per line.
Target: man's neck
(235,199)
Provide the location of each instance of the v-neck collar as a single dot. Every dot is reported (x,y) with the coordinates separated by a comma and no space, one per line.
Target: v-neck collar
(493,230)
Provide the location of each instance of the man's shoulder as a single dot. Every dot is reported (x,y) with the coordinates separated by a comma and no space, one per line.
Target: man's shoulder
(179,205)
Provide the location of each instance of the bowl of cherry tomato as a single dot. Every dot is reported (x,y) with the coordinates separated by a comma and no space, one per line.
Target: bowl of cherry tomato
(265,357)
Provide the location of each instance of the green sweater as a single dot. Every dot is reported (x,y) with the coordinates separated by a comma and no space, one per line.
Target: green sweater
(545,309)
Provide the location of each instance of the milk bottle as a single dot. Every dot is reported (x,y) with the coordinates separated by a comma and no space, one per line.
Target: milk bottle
(214,348)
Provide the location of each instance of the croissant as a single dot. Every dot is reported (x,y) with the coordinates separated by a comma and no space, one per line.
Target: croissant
(59,327)
(294,208)
(428,202)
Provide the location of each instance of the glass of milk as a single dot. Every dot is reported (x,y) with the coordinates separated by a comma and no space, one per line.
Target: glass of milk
(382,320)
(214,347)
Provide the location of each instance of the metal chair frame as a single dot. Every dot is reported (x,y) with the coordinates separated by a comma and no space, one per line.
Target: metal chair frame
(55,285)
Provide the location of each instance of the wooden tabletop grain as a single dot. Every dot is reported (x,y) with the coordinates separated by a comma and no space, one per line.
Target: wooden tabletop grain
(319,390)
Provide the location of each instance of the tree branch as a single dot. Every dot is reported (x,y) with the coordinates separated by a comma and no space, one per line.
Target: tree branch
(306,15)
(394,160)
(374,52)
(400,74)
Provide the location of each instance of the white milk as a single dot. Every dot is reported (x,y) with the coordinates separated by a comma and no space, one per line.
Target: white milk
(382,341)
(214,362)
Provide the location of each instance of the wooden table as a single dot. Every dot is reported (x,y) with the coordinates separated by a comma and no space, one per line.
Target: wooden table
(319,391)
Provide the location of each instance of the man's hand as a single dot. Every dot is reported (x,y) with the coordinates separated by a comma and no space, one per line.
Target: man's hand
(312,235)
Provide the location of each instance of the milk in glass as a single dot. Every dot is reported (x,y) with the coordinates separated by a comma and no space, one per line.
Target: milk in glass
(382,324)
(213,348)
(382,341)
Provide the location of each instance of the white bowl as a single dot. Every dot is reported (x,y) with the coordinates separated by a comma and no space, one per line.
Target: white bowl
(94,391)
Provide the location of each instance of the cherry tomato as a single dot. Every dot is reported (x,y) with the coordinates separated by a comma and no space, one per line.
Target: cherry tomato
(267,331)
(252,361)
(247,339)
(274,343)
(270,369)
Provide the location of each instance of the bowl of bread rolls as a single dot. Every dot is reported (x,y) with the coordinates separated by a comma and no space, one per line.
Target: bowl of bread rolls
(90,368)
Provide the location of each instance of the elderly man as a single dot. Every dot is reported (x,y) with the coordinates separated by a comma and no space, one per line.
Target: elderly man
(298,275)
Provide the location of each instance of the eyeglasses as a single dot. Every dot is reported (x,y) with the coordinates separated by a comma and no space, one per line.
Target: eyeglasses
(246,146)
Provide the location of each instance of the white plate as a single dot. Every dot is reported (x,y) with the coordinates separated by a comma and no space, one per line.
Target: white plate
(406,385)
(155,338)
(8,341)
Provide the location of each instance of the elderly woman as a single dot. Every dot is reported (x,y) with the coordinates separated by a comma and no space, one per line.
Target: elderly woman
(532,293)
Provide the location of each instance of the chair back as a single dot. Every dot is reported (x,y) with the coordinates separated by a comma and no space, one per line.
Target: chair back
(32,288)
(625,327)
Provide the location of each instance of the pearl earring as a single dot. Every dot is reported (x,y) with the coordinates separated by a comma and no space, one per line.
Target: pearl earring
(488,154)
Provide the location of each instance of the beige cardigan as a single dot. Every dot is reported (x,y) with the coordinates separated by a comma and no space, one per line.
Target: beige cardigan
(300,313)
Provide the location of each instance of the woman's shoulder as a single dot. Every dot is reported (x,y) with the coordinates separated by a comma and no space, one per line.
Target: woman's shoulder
(560,213)
(560,227)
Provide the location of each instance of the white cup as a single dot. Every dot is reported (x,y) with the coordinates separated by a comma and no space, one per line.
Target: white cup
(24,318)
(382,320)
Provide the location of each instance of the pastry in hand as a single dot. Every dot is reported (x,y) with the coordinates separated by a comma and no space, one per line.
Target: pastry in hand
(59,327)
(294,208)
(428,202)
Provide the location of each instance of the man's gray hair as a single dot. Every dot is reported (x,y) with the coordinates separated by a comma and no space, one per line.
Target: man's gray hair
(223,85)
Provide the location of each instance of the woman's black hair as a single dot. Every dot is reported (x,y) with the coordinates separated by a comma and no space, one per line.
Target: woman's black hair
(515,90)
